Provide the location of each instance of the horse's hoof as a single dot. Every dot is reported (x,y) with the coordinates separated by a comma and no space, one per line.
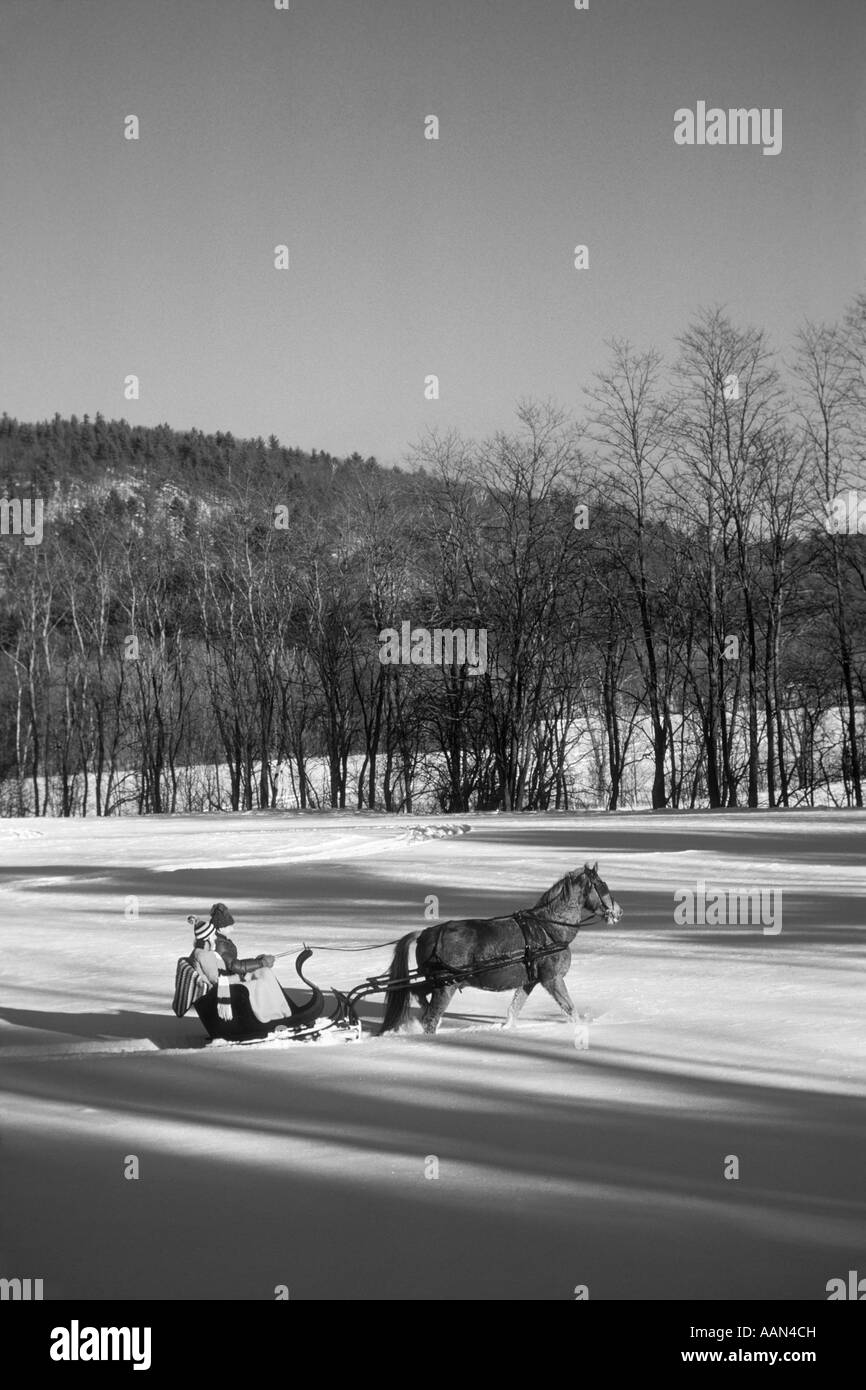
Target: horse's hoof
(581,1038)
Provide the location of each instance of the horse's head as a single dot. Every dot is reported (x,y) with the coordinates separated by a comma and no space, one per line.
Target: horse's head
(597,896)
(582,888)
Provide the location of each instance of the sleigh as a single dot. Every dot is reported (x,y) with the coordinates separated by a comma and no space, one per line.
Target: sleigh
(309,1022)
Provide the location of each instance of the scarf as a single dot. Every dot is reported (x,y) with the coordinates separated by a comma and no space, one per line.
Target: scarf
(224,998)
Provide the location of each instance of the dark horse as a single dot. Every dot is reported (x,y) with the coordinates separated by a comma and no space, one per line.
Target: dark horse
(469,946)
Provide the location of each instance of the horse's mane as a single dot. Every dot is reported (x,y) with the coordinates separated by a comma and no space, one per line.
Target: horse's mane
(557,892)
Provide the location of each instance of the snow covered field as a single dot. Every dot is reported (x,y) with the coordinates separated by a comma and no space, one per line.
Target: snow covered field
(308,1166)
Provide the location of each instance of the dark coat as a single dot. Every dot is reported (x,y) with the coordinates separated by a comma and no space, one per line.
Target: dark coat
(229,953)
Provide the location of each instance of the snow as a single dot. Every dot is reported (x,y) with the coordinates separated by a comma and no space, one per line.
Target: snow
(305,1166)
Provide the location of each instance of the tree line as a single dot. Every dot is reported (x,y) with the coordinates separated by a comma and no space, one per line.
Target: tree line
(672,582)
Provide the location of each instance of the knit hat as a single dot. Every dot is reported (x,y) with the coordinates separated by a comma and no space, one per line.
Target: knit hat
(221,917)
(201,929)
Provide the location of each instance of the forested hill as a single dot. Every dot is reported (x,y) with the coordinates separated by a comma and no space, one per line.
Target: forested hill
(670,592)
(54,456)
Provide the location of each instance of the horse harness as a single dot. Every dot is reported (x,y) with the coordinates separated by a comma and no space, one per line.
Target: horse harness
(538,942)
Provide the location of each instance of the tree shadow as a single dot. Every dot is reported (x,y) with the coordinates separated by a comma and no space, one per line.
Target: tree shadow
(276,1170)
(163,1031)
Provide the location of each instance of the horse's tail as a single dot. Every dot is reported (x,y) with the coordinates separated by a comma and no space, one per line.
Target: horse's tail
(399,1000)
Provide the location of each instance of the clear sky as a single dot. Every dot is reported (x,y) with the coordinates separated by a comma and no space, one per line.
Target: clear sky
(407,256)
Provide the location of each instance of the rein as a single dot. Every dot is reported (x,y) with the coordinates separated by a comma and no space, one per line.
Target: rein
(380,945)
(555,922)
(377,946)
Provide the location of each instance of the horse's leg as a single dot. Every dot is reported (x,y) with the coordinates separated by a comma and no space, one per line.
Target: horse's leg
(521,994)
(556,987)
(557,990)
(435,1009)
(423,1002)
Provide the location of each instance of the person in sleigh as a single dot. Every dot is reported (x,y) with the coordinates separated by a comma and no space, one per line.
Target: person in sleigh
(215,956)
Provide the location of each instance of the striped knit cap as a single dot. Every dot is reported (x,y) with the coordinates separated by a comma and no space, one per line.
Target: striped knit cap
(201,929)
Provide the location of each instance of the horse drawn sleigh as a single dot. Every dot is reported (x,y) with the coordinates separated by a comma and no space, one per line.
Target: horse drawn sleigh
(526,948)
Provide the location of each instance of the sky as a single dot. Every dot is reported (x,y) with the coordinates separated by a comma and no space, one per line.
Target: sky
(407,256)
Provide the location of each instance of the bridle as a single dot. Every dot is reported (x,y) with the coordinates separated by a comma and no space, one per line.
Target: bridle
(607,909)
